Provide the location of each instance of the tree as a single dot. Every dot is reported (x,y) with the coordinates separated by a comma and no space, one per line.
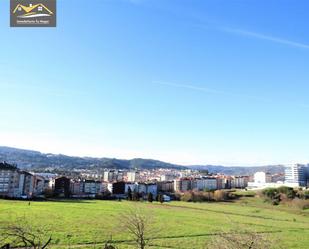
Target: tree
(150,197)
(20,232)
(135,196)
(207,190)
(138,225)
(242,240)
(220,195)
(160,198)
(129,194)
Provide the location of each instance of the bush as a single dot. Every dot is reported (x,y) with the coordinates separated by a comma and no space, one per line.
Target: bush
(188,196)
(220,195)
(306,194)
(275,202)
(270,192)
(273,195)
(300,204)
(290,193)
(48,193)
(202,196)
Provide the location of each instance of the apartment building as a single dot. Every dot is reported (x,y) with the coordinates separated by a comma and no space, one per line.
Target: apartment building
(15,183)
(182,184)
(146,188)
(109,176)
(165,186)
(296,175)
(133,176)
(239,181)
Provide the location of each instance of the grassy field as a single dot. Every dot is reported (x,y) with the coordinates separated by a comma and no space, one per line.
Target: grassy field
(77,224)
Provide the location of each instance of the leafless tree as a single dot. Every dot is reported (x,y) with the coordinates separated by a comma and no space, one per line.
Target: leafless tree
(20,232)
(139,225)
(247,240)
(242,238)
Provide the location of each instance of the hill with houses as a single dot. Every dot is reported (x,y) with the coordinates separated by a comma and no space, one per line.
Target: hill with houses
(29,159)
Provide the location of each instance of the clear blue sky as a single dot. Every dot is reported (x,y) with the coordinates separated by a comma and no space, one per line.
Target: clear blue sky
(191,82)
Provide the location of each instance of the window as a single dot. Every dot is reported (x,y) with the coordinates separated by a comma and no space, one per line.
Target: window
(40,8)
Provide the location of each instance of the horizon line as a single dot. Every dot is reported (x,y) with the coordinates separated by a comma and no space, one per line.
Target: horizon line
(164,161)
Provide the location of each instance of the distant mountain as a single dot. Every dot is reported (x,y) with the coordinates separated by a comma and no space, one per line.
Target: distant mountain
(37,160)
(240,170)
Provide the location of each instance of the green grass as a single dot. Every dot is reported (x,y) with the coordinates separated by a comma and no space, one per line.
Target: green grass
(179,224)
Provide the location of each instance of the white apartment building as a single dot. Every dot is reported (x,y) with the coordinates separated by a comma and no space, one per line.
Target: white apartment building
(133,176)
(109,176)
(296,175)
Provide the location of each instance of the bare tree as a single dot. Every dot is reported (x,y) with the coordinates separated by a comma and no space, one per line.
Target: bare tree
(20,232)
(138,225)
(241,240)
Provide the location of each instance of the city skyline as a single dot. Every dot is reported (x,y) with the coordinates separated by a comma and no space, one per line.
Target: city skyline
(204,82)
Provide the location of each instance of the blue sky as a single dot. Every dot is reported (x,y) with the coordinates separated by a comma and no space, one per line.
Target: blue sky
(189,82)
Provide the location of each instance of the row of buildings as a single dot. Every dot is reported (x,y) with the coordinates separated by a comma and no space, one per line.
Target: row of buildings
(16,183)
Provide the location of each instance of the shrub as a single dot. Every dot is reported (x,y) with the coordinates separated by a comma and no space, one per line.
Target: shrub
(306,194)
(275,202)
(48,193)
(220,195)
(300,204)
(270,192)
(202,196)
(150,197)
(290,193)
(188,197)
(272,195)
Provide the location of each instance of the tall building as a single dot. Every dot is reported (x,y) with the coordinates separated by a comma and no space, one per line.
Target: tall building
(133,176)
(14,182)
(109,175)
(296,174)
